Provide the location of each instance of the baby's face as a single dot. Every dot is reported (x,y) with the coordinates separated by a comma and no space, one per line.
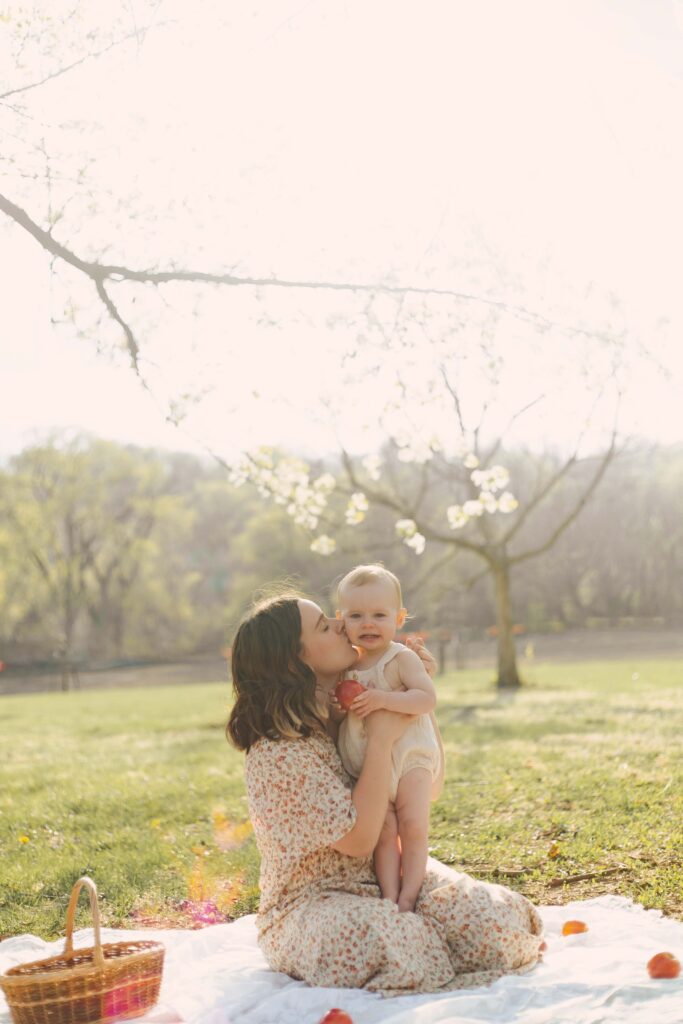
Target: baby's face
(371,614)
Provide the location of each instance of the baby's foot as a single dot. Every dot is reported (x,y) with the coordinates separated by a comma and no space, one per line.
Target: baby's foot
(406,903)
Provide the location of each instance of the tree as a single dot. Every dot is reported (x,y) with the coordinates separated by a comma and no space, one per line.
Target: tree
(60,202)
(123,293)
(622,561)
(84,518)
(440,475)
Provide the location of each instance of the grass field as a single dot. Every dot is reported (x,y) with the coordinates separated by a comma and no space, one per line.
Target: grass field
(577,775)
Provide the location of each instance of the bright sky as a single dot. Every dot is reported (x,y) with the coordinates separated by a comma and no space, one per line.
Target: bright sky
(421,143)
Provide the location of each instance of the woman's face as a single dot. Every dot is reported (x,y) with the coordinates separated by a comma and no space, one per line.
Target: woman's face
(325,646)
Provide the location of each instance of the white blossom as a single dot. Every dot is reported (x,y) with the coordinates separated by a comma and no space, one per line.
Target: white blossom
(488,501)
(492,479)
(323,545)
(414,450)
(356,509)
(372,465)
(408,532)
(287,483)
(471,461)
(325,483)
(406,528)
(239,475)
(416,542)
(456,517)
(507,502)
(473,508)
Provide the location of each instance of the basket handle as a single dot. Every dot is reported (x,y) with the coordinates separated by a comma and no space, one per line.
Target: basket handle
(94,910)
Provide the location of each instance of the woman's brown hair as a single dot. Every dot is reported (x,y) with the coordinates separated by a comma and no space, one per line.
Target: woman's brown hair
(275,691)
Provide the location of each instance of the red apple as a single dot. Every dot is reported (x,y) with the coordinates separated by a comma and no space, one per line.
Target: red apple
(663,965)
(336,1016)
(346,692)
(574,927)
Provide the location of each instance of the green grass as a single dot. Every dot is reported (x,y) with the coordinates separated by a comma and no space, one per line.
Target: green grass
(579,773)
(133,787)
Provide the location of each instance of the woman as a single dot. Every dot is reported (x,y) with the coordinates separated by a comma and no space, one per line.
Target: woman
(321,917)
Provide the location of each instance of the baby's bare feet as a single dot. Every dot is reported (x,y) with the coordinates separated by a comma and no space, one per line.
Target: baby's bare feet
(405,903)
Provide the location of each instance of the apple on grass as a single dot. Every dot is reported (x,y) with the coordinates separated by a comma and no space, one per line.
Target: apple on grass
(574,927)
(663,965)
(346,692)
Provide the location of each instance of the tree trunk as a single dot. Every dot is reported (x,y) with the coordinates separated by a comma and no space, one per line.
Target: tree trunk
(118,630)
(69,671)
(508,676)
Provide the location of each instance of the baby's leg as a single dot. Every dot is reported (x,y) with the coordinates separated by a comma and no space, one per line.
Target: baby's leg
(412,810)
(388,857)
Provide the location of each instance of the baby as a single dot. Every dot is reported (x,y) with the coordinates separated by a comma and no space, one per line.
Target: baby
(370,603)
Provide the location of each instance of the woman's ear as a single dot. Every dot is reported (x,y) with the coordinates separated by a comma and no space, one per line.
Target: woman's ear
(401,617)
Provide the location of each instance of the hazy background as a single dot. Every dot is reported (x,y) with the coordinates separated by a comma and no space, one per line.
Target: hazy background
(526,158)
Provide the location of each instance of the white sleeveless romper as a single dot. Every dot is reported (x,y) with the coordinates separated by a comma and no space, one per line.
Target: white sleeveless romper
(416,748)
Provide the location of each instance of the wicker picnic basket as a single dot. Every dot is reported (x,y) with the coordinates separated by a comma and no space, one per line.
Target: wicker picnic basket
(117,981)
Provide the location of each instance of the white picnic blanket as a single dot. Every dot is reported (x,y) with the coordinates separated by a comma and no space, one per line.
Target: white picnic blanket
(218,976)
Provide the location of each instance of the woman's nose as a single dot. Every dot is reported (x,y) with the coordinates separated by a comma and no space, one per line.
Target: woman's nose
(337,625)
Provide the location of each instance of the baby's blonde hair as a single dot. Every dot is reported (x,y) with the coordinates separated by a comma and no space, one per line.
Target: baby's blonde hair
(363,574)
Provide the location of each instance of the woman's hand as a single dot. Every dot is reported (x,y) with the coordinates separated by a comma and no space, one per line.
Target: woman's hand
(417,644)
(336,711)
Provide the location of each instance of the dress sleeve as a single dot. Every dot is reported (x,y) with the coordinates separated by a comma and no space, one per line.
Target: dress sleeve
(296,800)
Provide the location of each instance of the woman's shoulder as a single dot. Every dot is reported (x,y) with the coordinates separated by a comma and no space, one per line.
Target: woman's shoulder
(286,751)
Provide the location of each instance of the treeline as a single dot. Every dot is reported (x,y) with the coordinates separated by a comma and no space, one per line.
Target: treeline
(115,552)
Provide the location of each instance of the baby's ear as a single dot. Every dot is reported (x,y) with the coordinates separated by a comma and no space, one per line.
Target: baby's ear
(401,617)
(337,614)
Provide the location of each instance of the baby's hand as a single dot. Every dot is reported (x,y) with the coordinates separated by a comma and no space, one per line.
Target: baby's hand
(367,702)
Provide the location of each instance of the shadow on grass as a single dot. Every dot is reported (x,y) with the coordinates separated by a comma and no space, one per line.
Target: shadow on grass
(466,712)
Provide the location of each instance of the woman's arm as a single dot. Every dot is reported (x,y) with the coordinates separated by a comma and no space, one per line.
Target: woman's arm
(370,795)
(437,785)
(416,643)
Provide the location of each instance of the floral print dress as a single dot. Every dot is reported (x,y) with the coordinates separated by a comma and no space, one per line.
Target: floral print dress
(322,917)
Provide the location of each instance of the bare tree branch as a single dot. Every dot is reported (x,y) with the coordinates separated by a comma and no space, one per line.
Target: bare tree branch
(387,501)
(553,481)
(454,395)
(103,271)
(423,488)
(583,500)
(540,496)
(131,343)
(520,412)
(416,584)
(471,580)
(69,67)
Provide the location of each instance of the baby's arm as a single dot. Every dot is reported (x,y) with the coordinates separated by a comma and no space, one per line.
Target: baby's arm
(418,696)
